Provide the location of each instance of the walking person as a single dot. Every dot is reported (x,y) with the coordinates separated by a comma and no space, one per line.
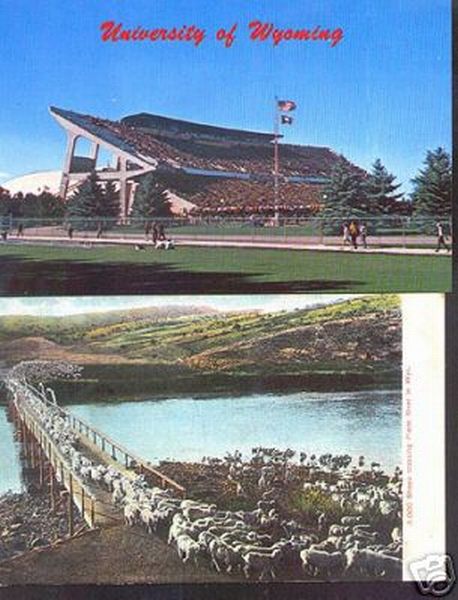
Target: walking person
(70,231)
(441,243)
(345,234)
(99,230)
(155,233)
(354,232)
(20,230)
(363,235)
(161,235)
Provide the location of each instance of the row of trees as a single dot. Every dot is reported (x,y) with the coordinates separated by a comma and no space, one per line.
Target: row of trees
(31,206)
(353,194)
(94,201)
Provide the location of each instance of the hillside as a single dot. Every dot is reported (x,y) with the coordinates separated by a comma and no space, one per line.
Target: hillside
(74,327)
(356,340)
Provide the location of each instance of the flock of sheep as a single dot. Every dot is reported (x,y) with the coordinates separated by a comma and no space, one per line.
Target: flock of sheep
(264,543)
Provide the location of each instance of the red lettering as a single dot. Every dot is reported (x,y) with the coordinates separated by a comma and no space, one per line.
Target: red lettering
(260,30)
(109,31)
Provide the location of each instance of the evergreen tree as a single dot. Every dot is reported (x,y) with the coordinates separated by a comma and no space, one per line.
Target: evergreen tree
(380,188)
(150,200)
(87,201)
(94,205)
(42,206)
(111,201)
(432,194)
(343,198)
(10,205)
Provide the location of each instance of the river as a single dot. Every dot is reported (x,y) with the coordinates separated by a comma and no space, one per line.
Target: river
(367,423)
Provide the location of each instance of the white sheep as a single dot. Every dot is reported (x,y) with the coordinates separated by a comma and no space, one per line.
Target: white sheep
(322,563)
(261,563)
(130,514)
(187,548)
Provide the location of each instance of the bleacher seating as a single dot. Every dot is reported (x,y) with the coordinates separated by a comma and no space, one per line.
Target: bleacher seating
(239,198)
(210,151)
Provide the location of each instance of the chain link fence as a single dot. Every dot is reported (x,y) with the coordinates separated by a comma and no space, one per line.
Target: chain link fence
(389,230)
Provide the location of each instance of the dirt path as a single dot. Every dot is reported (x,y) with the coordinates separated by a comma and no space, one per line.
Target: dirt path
(115,555)
(393,245)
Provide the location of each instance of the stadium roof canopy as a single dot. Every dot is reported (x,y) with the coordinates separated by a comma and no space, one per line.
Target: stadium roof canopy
(167,126)
(151,141)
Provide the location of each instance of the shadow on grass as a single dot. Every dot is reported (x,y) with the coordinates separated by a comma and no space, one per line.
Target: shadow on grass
(21,276)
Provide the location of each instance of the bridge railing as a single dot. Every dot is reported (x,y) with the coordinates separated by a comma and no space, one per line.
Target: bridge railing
(113,449)
(80,493)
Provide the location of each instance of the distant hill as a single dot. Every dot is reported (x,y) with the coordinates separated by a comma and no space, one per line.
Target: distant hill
(74,327)
(351,339)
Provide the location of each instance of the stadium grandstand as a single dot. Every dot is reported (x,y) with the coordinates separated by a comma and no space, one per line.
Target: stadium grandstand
(207,170)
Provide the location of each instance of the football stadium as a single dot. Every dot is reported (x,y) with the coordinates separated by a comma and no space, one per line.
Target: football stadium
(246,215)
(212,170)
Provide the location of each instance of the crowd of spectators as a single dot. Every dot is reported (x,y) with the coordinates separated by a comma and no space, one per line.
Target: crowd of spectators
(231,197)
(191,151)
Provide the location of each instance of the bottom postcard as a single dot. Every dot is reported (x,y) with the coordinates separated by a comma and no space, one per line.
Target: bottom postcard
(219,439)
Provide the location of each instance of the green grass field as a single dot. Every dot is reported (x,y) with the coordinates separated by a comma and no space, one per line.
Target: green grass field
(46,270)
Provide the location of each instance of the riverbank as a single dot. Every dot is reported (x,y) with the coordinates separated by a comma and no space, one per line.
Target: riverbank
(102,383)
(354,344)
(27,522)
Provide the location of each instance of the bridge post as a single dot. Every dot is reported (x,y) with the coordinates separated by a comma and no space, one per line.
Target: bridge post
(52,498)
(32,450)
(82,502)
(41,466)
(70,507)
(24,441)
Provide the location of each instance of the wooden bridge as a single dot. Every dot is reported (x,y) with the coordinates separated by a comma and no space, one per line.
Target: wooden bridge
(52,469)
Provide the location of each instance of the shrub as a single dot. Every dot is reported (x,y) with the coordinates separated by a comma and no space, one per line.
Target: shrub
(311,503)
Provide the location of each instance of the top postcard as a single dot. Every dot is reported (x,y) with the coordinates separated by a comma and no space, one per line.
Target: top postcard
(153,147)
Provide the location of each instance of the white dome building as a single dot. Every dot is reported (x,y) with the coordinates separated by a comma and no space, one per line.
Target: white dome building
(49,181)
(34,183)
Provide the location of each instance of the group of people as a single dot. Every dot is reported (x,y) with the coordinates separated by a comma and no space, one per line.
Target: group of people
(157,232)
(352,231)
(158,237)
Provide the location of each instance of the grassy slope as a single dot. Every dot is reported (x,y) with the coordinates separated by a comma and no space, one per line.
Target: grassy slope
(203,352)
(75,327)
(40,269)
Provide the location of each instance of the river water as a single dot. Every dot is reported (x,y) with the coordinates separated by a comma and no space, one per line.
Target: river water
(358,423)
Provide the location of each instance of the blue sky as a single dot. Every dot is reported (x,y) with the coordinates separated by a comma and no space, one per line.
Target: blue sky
(61,306)
(384,91)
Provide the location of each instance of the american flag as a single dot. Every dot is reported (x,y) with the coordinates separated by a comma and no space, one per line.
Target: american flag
(286,105)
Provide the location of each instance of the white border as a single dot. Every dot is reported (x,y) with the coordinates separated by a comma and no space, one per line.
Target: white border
(423,427)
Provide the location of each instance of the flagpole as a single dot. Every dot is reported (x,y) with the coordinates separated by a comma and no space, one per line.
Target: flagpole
(276,161)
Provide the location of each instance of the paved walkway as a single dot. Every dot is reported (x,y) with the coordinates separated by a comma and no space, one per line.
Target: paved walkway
(271,242)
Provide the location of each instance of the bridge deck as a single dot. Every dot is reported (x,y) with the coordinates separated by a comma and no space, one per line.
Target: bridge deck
(92,501)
